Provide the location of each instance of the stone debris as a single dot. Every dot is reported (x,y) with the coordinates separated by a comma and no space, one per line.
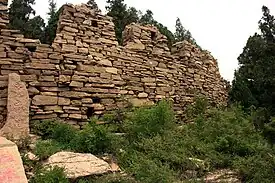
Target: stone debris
(223,175)
(78,165)
(86,73)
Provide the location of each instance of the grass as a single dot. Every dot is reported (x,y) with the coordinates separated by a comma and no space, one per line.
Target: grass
(155,149)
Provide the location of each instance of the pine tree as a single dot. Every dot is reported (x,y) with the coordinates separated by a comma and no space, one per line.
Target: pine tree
(20,12)
(93,4)
(121,16)
(182,34)
(257,67)
(52,9)
(50,30)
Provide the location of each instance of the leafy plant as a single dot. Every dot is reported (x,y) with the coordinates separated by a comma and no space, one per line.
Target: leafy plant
(45,149)
(50,175)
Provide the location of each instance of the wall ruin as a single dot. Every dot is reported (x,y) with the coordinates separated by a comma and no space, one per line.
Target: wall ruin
(85,72)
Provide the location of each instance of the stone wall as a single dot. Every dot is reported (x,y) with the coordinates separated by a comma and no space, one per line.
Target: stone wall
(85,73)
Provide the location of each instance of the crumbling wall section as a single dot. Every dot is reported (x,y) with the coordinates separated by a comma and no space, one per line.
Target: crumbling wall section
(85,72)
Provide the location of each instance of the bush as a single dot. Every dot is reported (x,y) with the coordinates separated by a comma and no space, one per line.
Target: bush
(92,139)
(148,122)
(45,149)
(50,175)
(112,178)
(43,128)
(95,139)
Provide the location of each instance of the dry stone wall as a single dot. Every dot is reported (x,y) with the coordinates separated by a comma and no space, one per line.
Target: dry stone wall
(85,72)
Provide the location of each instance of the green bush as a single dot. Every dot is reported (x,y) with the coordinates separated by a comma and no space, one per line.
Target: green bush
(111,178)
(46,148)
(148,122)
(43,128)
(50,175)
(92,139)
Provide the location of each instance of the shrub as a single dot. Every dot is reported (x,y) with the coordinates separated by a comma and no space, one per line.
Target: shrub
(43,128)
(45,149)
(148,122)
(92,139)
(111,178)
(50,175)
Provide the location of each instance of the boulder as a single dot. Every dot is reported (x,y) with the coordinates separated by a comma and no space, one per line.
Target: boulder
(11,165)
(78,165)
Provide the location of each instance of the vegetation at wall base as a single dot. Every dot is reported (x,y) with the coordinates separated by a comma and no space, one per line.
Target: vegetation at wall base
(154,148)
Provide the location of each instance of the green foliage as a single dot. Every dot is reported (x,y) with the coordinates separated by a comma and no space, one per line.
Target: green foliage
(19,13)
(43,128)
(50,29)
(111,178)
(254,80)
(148,122)
(93,4)
(44,149)
(92,139)
(216,139)
(122,16)
(50,175)
(182,34)
(154,149)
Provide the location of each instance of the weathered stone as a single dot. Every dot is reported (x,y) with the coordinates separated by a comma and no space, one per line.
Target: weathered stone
(105,62)
(11,169)
(111,70)
(57,109)
(76,84)
(63,101)
(74,94)
(75,116)
(78,165)
(17,124)
(142,95)
(33,91)
(140,102)
(44,100)
(69,48)
(98,107)
(64,79)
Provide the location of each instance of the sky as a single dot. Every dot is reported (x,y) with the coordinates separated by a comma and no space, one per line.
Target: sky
(219,26)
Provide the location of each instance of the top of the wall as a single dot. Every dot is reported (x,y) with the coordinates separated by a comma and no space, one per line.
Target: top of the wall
(4,18)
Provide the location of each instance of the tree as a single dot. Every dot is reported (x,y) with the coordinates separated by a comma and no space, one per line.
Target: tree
(34,28)
(52,9)
(121,16)
(93,4)
(257,68)
(182,34)
(50,30)
(254,81)
(20,12)
(148,18)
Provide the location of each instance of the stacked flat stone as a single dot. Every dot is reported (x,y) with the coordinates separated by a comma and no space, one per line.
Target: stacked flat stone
(4,17)
(85,72)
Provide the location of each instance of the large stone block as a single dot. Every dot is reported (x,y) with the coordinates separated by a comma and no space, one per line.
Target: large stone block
(11,165)
(17,124)
(44,100)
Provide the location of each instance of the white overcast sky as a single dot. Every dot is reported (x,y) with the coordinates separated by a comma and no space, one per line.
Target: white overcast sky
(220,26)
